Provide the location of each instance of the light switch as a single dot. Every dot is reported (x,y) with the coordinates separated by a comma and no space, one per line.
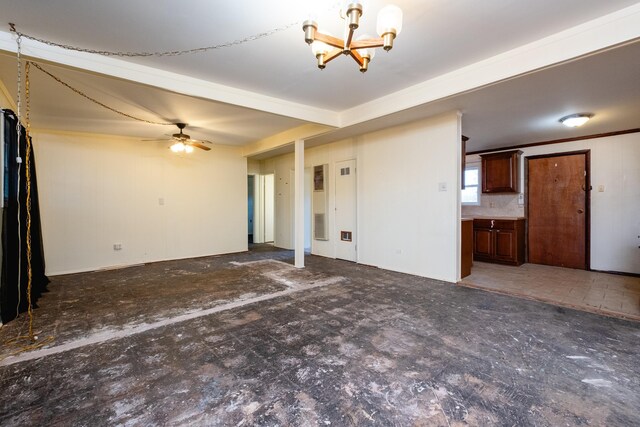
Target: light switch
(600,188)
(161,201)
(442,186)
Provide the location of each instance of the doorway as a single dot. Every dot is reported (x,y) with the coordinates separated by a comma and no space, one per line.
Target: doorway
(346,214)
(251,179)
(269,208)
(558,209)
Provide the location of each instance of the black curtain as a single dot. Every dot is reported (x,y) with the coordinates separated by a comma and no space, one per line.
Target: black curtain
(13,289)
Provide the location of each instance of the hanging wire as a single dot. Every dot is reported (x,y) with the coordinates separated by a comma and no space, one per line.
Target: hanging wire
(31,337)
(236,42)
(95,101)
(27,171)
(19,132)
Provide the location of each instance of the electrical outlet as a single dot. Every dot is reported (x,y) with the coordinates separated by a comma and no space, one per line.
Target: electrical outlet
(442,186)
(117,246)
(521,199)
(161,201)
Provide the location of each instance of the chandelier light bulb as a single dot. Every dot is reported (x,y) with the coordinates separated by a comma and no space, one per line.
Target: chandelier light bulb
(389,24)
(352,11)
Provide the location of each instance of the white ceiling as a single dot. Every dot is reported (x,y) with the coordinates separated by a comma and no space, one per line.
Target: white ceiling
(439,36)
(55,107)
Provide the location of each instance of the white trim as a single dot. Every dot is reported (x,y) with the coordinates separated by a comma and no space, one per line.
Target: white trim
(168,80)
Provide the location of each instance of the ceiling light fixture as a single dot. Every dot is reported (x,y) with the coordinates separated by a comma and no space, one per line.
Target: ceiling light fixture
(326,47)
(575,120)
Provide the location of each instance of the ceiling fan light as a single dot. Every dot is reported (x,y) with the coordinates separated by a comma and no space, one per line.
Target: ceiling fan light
(188,149)
(575,120)
(177,147)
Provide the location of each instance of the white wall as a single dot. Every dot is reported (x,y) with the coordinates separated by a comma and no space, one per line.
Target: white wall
(98,190)
(615,213)
(404,223)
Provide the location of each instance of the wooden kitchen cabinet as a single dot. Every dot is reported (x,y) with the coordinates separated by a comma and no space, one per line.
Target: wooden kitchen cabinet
(466,259)
(499,240)
(500,172)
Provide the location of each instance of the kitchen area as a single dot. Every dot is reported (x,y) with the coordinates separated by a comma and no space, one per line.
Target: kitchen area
(526,228)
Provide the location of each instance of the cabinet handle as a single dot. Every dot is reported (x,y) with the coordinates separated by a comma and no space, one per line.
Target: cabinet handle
(492,223)
(580,211)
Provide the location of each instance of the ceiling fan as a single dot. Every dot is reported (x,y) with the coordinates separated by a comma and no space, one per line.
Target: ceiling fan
(183,142)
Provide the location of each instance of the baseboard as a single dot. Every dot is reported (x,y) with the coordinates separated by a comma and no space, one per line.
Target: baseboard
(619,273)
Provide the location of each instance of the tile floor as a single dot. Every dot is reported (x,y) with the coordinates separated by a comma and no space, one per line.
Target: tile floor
(609,294)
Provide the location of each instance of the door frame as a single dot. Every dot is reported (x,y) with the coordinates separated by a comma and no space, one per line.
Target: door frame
(587,199)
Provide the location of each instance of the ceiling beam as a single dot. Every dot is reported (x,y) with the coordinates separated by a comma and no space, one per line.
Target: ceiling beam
(174,82)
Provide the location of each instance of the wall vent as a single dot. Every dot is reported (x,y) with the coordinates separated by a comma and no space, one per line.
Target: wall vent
(319,229)
(345,171)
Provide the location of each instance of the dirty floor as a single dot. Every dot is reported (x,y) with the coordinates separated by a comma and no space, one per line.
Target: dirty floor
(246,340)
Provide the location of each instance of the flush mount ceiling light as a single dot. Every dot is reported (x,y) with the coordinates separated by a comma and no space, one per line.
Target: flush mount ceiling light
(326,47)
(575,120)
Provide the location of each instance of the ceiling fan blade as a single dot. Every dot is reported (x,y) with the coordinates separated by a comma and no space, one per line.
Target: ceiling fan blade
(202,141)
(199,145)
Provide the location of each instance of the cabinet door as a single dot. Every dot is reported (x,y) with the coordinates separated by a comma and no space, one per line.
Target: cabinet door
(482,243)
(500,172)
(505,245)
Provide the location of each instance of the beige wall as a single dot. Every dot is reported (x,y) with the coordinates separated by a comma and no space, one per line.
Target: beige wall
(404,222)
(96,191)
(615,219)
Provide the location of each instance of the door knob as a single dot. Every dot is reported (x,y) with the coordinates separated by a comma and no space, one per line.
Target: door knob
(580,211)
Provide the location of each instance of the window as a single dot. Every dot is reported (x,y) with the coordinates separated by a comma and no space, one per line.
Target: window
(471,192)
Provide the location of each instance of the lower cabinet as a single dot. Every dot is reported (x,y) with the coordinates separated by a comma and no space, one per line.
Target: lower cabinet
(499,240)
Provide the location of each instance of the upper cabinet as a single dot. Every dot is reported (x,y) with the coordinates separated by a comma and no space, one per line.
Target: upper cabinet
(500,172)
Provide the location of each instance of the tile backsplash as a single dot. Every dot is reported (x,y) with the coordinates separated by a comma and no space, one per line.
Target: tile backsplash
(495,205)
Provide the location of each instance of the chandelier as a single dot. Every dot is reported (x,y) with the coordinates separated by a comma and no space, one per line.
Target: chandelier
(326,47)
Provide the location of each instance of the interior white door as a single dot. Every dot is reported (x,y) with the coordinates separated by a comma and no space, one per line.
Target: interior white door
(269,207)
(346,210)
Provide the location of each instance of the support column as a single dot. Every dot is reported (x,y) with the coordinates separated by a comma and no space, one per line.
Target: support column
(299,204)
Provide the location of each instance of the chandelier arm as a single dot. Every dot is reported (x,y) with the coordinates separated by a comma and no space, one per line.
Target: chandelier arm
(332,55)
(356,56)
(367,43)
(349,39)
(330,40)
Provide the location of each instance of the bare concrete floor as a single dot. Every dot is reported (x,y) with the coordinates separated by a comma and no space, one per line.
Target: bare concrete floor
(228,341)
(609,294)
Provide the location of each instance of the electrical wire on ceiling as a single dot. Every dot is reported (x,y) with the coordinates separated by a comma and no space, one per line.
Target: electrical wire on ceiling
(95,101)
(236,42)
(122,54)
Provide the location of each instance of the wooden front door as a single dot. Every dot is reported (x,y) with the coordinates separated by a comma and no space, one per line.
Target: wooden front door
(558,209)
